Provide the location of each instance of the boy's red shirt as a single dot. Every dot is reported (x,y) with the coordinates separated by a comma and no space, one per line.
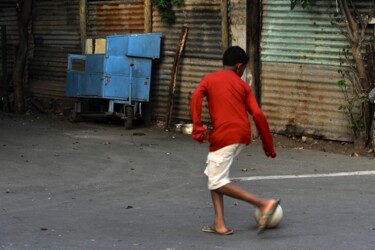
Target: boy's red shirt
(229,101)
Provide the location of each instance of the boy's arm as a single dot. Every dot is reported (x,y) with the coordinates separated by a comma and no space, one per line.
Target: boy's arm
(261,124)
(199,132)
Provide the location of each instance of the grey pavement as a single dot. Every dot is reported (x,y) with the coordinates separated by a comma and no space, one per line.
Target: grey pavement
(98,186)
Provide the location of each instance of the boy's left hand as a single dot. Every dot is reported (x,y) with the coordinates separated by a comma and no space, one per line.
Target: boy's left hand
(270,152)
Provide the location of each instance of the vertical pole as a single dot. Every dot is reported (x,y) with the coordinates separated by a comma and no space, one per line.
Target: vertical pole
(253,30)
(4,79)
(83,23)
(131,83)
(24,12)
(146,106)
(224,25)
(148,16)
(172,84)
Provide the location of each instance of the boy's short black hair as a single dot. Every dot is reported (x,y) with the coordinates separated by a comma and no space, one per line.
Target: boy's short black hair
(234,55)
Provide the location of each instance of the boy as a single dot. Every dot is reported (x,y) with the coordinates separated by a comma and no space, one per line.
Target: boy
(229,101)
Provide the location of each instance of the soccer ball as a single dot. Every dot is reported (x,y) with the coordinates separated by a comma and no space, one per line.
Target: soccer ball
(276,218)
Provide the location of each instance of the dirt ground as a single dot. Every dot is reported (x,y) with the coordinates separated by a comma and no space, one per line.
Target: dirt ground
(303,143)
(280,141)
(344,148)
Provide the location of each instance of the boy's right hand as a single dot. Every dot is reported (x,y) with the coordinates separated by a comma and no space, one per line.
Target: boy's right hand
(199,133)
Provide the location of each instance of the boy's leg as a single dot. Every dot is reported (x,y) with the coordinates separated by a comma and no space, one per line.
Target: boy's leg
(236,192)
(218,171)
(217,200)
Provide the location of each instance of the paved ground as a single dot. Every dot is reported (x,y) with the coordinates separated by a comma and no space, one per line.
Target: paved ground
(98,186)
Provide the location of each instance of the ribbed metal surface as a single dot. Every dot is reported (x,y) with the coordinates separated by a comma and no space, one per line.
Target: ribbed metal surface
(115,17)
(305,98)
(202,55)
(7,4)
(8,17)
(300,58)
(56,33)
(300,36)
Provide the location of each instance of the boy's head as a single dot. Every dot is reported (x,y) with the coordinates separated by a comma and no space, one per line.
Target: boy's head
(235,59)
(234,55)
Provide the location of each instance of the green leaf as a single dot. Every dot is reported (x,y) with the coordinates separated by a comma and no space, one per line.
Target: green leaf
(165,9)
(341,83)
(177,2)
(305,4)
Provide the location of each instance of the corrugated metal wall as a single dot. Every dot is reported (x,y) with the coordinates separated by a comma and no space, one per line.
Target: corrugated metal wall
(300,51)
(56,33)
(202,55)
(300,58)
(4,4)
(115,17)
(8,17)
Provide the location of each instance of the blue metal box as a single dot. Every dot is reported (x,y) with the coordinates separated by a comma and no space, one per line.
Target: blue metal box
(116,68)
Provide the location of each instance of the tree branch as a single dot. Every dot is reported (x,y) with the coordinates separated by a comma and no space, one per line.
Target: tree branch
(349,34)
(351,24)
(363,21)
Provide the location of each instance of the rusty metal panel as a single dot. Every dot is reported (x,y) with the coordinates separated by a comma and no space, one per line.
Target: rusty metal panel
(115,17)
(8,17)
(4,4)
(56,33)
(201,56)
(300,53)
(300,36)
(303,98)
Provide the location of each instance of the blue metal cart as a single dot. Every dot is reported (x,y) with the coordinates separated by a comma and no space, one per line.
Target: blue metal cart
(115,69)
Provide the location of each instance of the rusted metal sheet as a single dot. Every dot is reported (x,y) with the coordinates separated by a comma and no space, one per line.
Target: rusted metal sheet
(8,17)
(202,55)
(303,99)
(56,33)
(300,36)
(115,17)
(300,53)
(4,4)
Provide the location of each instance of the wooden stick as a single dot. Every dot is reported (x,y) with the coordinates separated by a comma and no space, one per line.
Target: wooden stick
(148,16)
(224,25)
(172,85)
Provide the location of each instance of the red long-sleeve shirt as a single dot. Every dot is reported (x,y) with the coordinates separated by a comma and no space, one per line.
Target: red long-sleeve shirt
(230,99)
